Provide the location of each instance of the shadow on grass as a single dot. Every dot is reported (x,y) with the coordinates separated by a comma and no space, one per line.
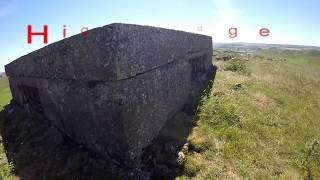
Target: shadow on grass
(164,158)
(38,151)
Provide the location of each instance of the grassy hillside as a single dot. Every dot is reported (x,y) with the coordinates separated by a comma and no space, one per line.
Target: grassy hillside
(5,94)
(261,120)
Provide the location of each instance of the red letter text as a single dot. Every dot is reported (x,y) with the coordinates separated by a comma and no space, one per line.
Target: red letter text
(64,34)
(233,32)
(264,32)
(44,33)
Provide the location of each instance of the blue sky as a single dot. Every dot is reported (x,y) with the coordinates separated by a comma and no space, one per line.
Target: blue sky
(290,22)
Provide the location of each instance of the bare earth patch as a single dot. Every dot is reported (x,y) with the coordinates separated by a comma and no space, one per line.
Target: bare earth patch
(262,101)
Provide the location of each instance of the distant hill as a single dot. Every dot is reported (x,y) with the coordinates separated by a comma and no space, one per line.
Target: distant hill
(257,46)
(3,74)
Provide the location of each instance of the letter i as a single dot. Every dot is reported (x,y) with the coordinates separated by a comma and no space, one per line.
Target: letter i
(64,31)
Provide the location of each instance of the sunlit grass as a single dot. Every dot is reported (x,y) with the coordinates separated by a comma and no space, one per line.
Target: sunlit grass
(5,94)
(266,128)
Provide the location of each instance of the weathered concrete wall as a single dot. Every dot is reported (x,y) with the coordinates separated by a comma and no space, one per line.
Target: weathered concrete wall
(112,52)
(114,95)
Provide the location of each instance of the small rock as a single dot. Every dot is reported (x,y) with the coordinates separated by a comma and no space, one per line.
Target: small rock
(185,147)
(181,157)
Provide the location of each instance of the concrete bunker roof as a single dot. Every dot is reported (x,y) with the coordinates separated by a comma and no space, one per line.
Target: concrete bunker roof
(109,53)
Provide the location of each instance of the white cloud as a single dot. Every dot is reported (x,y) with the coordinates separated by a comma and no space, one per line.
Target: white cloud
(227,15)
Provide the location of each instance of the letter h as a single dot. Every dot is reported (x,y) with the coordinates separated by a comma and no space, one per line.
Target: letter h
(44,33)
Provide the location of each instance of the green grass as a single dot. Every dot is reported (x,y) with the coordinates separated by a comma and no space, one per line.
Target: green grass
(260,126)
(293,57)
(5,167)
(5,94)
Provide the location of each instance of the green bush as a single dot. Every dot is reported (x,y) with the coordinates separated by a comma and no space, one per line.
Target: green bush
(192,167)
(237,66)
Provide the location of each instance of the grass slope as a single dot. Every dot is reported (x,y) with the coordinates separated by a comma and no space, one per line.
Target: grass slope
(5,94)
(260,126)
